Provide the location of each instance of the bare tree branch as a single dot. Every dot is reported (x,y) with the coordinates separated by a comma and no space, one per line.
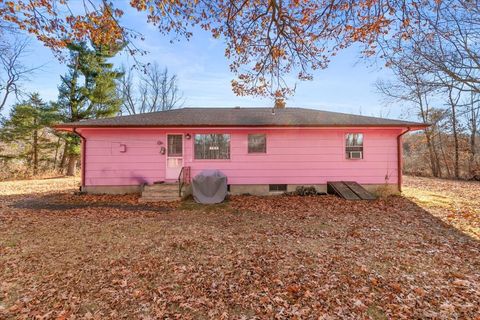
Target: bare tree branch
(154,90)
(12,69)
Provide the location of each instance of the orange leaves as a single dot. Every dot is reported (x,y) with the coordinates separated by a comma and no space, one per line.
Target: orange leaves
(70,256)
(282,36)
(140,5)
(277,53)
(101,28)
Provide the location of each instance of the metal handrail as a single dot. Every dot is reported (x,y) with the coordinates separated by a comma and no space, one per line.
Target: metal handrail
(183,179)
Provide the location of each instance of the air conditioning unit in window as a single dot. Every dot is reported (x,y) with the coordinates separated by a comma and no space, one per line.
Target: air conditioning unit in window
(356,155)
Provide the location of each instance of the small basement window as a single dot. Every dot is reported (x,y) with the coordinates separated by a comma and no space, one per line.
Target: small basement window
(257,143)
(354,146)
(277,187)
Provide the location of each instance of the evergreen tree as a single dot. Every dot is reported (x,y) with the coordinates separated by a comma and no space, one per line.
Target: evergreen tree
(27,127)
(87,91)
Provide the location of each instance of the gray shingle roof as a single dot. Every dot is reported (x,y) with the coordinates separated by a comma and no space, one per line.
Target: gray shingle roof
(243,117)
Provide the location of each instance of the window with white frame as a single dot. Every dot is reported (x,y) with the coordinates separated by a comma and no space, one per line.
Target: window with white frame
(257,143)
(354,145)
(212,146)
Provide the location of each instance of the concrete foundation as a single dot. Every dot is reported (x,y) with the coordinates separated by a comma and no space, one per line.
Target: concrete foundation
(263,189)
(253,189)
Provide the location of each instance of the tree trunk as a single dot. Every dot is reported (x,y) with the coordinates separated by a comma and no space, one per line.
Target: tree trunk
(473,143)
(64,157)
(433,157)
(453,106)
(455,139)
(57,147)
(473,139)
(72,165)
(35,152)
(445,160)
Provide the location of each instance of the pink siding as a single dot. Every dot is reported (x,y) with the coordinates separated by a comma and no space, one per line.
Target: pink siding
(294,156)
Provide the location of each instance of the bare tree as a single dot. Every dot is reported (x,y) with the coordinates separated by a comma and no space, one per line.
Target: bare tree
(445,45)
(454,96)
(411,88)
(472,115)
(12,68)
(438,63)
(154,90)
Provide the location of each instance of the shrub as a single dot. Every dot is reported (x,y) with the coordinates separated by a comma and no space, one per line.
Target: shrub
(305,191)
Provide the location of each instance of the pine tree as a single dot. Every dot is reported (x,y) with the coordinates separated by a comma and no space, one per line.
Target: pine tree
(87,91)
(27,127)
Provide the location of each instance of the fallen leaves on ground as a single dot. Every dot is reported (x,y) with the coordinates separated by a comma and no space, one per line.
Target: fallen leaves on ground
(454,202)
(69,256)
(36,186)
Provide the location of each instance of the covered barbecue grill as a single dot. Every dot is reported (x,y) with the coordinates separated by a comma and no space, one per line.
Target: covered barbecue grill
(209,186)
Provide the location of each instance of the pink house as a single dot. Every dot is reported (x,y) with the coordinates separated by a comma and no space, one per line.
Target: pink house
(260,150)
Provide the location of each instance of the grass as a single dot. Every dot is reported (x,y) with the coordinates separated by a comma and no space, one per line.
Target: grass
(454,202)
(70,256)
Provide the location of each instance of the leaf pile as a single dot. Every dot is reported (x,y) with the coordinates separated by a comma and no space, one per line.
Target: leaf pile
(254,257)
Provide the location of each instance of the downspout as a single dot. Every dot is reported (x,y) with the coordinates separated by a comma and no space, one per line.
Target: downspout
(399,158)
(83,157)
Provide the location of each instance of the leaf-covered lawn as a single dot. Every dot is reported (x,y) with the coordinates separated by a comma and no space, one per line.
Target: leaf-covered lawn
(454,202)
(75,256)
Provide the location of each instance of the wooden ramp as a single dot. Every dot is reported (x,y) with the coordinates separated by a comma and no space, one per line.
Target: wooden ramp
(349,190)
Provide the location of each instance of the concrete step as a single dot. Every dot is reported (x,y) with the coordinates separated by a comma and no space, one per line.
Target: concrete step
(156,199)
(159,198)
(159,195)
(160,192)
(162,187)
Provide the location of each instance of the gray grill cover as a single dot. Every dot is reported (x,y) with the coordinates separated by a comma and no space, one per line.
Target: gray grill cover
(209,186)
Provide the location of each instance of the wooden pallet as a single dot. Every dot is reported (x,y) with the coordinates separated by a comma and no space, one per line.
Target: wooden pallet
(349,190)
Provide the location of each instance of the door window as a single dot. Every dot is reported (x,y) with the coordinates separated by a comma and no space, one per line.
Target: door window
(175,145)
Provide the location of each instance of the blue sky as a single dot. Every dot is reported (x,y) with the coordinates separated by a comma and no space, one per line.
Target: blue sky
(204,76)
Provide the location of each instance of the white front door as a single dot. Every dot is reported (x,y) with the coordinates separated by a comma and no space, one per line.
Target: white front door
(174,156)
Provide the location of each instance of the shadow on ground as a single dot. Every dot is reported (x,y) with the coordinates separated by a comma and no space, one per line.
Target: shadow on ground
(284,256)
(69,201)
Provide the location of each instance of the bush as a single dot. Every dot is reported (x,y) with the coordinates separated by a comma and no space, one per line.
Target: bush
(305,191)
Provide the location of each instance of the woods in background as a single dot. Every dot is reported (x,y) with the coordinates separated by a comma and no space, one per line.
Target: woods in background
(432,47)
(26,133)
(91,88)
(437,76)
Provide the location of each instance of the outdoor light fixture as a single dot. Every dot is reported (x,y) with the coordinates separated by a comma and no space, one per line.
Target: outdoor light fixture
(188,136)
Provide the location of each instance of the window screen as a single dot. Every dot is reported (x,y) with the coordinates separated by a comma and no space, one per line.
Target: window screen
(354,145)
(257,143)
(212,146)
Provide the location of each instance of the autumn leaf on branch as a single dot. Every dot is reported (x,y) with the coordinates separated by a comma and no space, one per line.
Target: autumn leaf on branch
(267,41)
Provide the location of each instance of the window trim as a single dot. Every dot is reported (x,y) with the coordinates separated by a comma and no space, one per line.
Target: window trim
(194,158)
(345,145)
(255,152)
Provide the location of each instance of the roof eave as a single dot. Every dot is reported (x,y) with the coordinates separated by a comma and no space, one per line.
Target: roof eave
(413,126)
